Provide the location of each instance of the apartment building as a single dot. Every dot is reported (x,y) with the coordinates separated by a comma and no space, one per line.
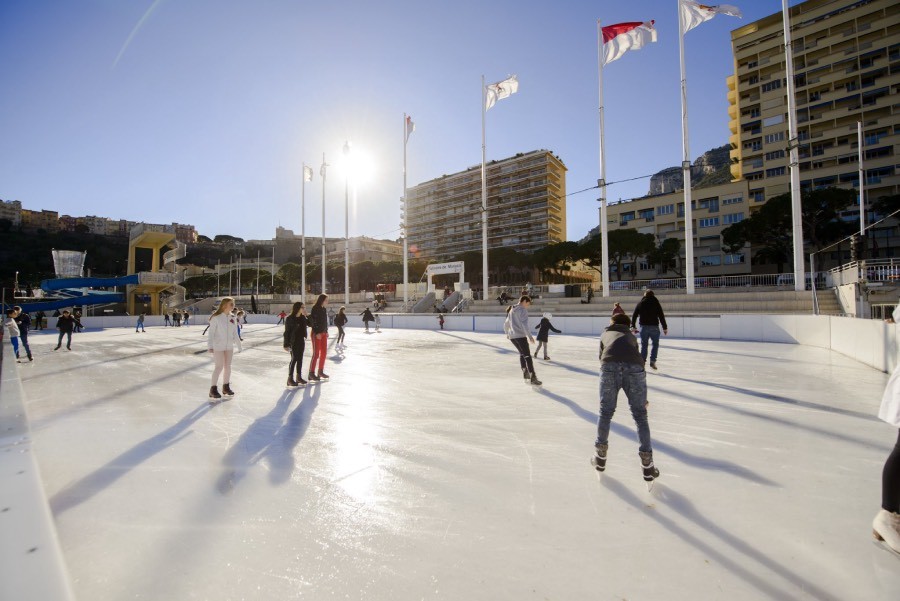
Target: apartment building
(526,200)
(847,70)
(363,248)
(11,210)
(40,220)
(94,225)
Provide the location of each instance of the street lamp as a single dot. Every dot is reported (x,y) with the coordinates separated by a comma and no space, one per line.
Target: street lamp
(347,171)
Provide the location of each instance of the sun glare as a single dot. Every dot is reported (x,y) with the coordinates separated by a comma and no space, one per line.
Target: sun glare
(356,163)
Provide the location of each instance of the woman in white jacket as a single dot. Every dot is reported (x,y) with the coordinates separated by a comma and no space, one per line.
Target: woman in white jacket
(223,337)
(886,525)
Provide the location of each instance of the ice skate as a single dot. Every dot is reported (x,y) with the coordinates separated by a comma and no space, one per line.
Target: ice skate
(313,377)
(323,375)
(653,365)
(214,394)
(546,358)
(535,381)
(525,374)
(301,381)
(599,458)
(650,471)
(226,390)
(291,383)
(886,528)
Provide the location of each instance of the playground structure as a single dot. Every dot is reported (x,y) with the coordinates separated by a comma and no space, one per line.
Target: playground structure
(143,290)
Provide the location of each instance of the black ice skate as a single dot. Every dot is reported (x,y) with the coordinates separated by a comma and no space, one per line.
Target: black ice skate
(650,471)
(322,375)
(535,381)
(599,458)
(227,391)
(525,374)
(301,381)
(291,383)
(214,394)
(313,377)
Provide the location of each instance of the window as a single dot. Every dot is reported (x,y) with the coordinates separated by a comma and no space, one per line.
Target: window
(772,85)
(733,200)
(775,172)
(643,265)
(753,176)
(711,204)
(710,261)
(627,216)
(665,210)
(708,222)
(773,120)
(770,138)
(758,195)
(778,154)
(732,218)
(735,259)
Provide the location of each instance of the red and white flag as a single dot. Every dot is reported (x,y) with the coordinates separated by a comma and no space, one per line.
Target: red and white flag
(410,127)
(694,13)
(499,91)
(622,37)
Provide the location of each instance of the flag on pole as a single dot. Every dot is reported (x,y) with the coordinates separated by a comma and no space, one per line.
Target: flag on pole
(622,37)
(410,126)
(694,13)
(322,169)
(500,90)
(307,173)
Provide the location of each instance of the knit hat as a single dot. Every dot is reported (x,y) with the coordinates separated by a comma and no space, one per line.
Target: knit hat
(547,315)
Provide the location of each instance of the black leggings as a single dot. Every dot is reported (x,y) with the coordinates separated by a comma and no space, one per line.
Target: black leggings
(297,360)
(340,336)
(890,480)
(521,345)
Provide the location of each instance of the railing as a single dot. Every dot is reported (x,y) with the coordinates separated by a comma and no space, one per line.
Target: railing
(876,270)
(176,253)
(156,277)
(774,280)
(143,228)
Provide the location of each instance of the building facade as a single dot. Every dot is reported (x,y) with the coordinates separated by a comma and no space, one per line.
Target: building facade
(362,249)
(526,201)
(12,211)
(40,220)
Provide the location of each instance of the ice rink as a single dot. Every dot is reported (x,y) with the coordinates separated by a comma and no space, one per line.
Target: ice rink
(427,469)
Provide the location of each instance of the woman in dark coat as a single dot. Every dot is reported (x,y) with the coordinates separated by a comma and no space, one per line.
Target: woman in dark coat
(340,320)
(295,342)
(367,317)
(543,329)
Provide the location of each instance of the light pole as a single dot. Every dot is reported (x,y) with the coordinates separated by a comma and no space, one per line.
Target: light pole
(347,168)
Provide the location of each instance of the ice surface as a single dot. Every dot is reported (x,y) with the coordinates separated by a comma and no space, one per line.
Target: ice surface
(427,469)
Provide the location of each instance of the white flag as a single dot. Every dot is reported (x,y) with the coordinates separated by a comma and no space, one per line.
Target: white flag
(307,173)
(410,127)
(694,13)
(500,90)
(622,37)
(322,169)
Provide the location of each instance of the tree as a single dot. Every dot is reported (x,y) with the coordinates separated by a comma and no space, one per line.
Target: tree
(556,257)
(667,256)
(227,238)
(288,277)
(770,229)
(5,225)
(885,205)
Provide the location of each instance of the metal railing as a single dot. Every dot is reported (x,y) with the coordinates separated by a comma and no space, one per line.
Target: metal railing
(143,228)
(176,253)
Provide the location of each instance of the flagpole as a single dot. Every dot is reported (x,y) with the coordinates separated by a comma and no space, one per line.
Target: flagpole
(601,183)
(303,236)
(324,171)
(484,223)
(403,220)
(272,283)
(796,213)
(862,181)
(686,164)
(257,273)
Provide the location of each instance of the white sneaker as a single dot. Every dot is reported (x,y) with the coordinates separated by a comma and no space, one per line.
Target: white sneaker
(886,527)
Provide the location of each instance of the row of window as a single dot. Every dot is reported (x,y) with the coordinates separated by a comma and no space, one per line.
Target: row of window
(715,260)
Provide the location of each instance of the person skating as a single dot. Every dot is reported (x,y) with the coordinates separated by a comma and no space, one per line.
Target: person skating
(281,317)
(140,324)
(39,318)
(367,317)
(176,318)
(223,337)
(77,317)
(331,317)
(377,322)
(13,329)
(543,329)
(651,315)
(622,367)
(340,320)
(240,316)
(618,310)
(23,320)
(168,320)
(295,343)
(65,323)
(516,328)
(318,319)
(886,525)
(441,320)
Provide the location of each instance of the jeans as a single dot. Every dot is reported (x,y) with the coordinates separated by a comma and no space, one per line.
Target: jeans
(24,338)
(15,343)
(632,379)
(525,361)
(890,480)
(139,326)
(651,333)
(68,335)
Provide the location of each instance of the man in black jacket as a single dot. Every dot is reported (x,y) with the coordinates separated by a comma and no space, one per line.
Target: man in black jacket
(651,315)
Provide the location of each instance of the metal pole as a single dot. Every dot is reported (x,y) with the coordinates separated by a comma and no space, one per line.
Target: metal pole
(686,165)
(324,170)
(217,277)
(404,209)
(230,270)
(272,283)
(812,279)
(601,183)
(862,181)
(484,215)
(302,237)
(239,289)
(257,274)
(796,211)
(347,224)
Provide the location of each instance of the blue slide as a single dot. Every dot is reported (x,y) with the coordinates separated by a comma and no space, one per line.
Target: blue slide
(72,291)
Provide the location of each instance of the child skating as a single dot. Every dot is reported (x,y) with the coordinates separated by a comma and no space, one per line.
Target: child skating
(441,320)
(140,324)
(223,337)
(543,329)
(622,367)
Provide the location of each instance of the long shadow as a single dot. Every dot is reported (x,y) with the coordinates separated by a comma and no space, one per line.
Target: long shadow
(769,418)
(579,370)
(675,452)
(80,491)
(777,398)
(252,444)
(281,452)
(683,507)
(499,349)
(709,352)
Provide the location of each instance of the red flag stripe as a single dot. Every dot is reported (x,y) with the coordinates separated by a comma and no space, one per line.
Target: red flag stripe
(618,29)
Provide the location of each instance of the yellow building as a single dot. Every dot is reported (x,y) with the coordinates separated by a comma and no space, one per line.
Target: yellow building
(526,207)
(40,220)
(144,297)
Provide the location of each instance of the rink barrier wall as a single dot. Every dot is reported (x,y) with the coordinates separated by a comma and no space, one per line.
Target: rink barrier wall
(31,560)
(871,342)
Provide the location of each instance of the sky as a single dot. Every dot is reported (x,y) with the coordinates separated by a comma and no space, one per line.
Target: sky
(204,111)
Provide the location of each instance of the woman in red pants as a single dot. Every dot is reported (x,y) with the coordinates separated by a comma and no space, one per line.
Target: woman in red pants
(318,321)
